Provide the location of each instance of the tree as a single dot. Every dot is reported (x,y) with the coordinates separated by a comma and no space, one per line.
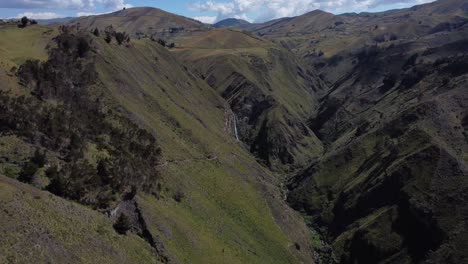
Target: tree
(27,172)
(24,21)
(33,22)
(57,185)
(82,47)
(103,170)
(108,37)
(96,32)
(120,37)
(110,32)
(39,158)
(171,46)
(122,225)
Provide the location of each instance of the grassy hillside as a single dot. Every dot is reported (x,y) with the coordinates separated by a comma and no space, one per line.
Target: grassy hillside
(39,226)
(270,92)
(183,110)
(143,22)
(395,146)
(214,203)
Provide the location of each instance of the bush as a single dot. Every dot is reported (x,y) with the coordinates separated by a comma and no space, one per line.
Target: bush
(96,32)
(82,47)
(162,42)
(108,37)
(39,158)
(24,22)
(122,225)
(179,196)
(28,171)
(110,32)
(120,37)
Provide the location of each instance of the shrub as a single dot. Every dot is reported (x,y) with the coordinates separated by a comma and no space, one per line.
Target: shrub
(122,225)
(96,32)
(120,37)
(39,158)
(162,42)
(108,37)
(82,47)
(24,22)
(27,172)
(171,46)
(110,32)
(179,196)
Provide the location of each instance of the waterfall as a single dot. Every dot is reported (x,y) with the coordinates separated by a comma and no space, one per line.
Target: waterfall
(235,127)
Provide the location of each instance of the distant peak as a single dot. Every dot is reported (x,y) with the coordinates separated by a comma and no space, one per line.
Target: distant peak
(317,12)
(231,22)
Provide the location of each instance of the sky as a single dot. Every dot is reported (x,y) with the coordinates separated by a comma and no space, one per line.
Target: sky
(208,11)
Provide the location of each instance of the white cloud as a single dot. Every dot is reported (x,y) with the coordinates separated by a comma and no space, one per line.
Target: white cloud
(206,19)
(64,4)
(271,9)
(39,15)
(80,14)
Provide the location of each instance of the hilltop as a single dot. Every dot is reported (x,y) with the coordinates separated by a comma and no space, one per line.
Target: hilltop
(232,22)
(142,21)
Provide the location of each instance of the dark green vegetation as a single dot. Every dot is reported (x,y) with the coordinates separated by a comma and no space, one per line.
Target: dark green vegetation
(125,154)
(170,153)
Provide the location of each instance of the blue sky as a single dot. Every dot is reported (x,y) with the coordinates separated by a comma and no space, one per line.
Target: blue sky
(204,10)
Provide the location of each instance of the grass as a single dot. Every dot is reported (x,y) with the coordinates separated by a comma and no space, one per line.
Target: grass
(225,216)
(60,231)
(18,45)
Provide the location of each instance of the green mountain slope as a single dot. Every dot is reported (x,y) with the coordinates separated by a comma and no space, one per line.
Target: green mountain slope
(391,124)
(270,92)
(214,203)
(38,226)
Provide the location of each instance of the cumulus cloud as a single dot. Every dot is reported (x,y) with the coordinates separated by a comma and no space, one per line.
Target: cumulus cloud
(271,9)
(206,19)
(64,4)
(39,15)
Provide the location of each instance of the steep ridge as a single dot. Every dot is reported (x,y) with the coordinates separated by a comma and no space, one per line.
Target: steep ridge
(390,185)
(213,202)
(319,34)
(271,93)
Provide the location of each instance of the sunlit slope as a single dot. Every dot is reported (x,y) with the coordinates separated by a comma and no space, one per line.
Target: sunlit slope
(141,21)
(269,90)
(216,204)
(39,227)
(231,208)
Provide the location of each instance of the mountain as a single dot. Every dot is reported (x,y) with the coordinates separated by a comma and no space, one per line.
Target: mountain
(313,139)
(63,20)
(103,117)
(271,93)
(142,21)
(232,22)
(390,122)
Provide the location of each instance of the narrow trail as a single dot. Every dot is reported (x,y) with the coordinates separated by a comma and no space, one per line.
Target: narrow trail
(180,161)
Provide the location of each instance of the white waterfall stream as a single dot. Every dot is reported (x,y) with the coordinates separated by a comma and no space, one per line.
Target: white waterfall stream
(235,127)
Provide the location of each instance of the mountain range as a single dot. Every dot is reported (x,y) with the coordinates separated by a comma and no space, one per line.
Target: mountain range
(141,136)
